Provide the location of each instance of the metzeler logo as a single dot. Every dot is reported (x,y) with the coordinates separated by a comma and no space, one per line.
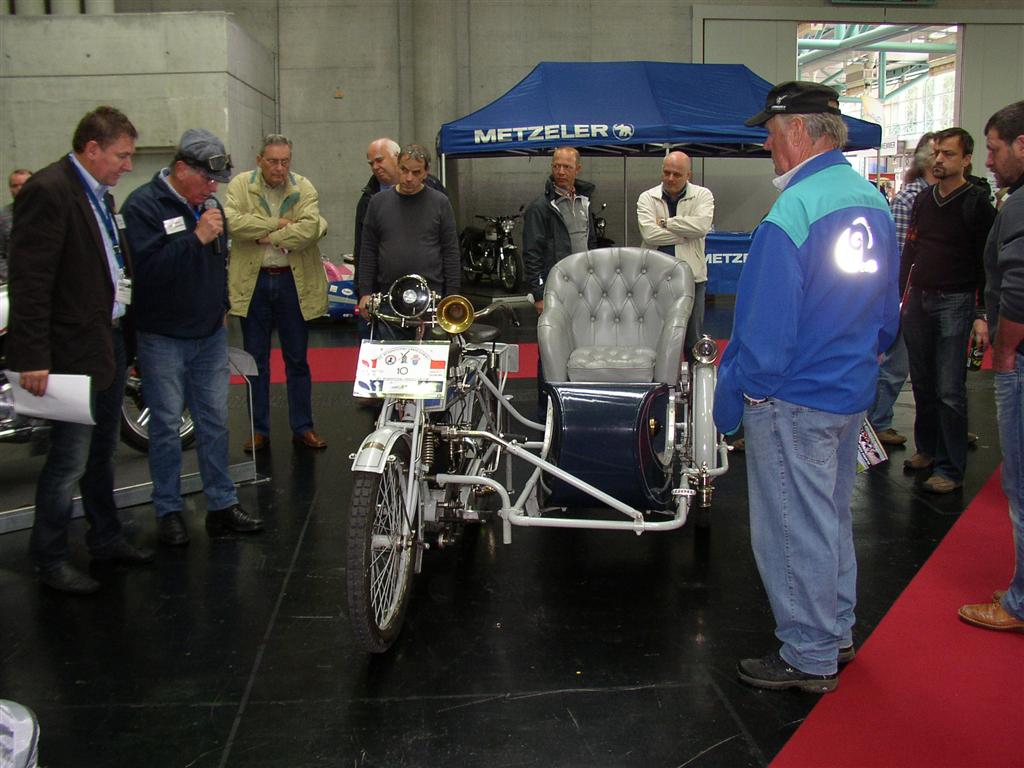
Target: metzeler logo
(549,132)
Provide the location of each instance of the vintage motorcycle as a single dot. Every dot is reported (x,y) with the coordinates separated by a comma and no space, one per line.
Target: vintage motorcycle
(433,463)
(15,428)
(490,251)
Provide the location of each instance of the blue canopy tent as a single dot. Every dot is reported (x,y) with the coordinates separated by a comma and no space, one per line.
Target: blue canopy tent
(626,108)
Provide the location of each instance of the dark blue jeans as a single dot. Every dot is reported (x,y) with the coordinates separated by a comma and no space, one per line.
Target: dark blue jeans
(192,372)
(83,456)
(275,302)
(936,328)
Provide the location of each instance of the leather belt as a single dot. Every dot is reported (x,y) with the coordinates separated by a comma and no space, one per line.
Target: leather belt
(275,270)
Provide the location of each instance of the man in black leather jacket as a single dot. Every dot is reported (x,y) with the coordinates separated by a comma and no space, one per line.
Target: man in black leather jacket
(558,222)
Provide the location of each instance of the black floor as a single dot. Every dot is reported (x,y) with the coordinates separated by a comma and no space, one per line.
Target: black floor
(565,648)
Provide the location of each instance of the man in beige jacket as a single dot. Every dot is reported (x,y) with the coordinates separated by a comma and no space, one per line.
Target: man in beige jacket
(674,218)
(276,278)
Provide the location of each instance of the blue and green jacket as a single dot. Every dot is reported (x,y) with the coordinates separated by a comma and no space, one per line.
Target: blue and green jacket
(818,299)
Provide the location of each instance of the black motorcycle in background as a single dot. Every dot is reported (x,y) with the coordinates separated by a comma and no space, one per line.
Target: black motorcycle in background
(600,224)
(489,251)
(15,428)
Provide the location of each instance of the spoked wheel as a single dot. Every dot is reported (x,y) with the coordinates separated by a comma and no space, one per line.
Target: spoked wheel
(381,552)
(135,417)
(512,269)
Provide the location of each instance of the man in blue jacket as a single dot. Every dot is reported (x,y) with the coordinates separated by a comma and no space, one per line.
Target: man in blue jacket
(816,304)
(176,231)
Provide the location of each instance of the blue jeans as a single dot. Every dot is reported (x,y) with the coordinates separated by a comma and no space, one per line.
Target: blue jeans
(1010,412)
(83,456)
(937,327)
(176,372)
(801,464)
(276,302)
(892,374)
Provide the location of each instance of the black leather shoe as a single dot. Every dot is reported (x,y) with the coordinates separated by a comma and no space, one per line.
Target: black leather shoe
(120,551)
(234,518)
(846,653)
(171,530)
(772,672)
(64,577)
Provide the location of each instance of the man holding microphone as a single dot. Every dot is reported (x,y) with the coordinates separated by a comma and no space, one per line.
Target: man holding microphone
(177,235)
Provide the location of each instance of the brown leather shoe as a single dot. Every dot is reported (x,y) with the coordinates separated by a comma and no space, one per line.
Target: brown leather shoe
(309,439)
(256,443)
(991,616)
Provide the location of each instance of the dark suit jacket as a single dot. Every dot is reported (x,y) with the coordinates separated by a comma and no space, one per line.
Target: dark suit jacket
(62,295)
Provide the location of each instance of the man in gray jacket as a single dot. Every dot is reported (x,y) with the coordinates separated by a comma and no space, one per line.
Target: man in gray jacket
(1004,304)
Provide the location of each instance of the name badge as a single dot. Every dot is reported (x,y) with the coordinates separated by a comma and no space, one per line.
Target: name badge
(119,220)
(174,225)
(123,294)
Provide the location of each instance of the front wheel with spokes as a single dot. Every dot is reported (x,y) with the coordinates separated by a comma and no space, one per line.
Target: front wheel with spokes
(381,552)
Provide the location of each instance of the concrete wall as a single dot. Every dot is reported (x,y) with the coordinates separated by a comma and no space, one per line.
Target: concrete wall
(167,72)
(349,71)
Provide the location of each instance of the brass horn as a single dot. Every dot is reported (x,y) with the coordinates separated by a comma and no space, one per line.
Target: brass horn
(455,314)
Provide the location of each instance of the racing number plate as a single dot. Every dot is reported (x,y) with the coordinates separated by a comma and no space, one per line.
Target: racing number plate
(403,369)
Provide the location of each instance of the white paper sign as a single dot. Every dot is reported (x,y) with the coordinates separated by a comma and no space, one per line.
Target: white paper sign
(66,398)
(405,369)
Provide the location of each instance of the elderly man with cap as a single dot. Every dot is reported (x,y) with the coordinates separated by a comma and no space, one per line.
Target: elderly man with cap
(176,231)
(816,304)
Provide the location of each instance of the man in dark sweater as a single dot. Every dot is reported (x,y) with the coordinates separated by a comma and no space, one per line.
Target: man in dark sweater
(943,309)
(409,229)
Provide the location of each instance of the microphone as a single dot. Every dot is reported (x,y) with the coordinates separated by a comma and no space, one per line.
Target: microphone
(210,204)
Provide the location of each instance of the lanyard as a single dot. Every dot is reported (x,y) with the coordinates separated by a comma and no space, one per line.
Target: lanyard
(105,216)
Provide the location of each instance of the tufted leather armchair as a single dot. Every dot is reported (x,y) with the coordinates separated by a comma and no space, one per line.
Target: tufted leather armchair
(615,315)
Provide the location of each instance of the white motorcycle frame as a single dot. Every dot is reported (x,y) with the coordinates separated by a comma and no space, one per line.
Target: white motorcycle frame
(708,455)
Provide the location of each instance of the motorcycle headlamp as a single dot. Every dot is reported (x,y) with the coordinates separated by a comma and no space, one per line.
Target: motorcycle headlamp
(490,231)
(409,296)
(507,225)
(705,350)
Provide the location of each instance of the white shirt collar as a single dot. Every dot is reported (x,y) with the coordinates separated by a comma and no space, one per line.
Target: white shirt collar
(781,182)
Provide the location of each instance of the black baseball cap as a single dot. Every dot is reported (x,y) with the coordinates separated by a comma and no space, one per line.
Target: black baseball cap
(797,97)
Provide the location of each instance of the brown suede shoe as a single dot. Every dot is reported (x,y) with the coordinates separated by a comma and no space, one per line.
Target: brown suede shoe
(309,439)
(919,461)
(256,443)
(991,616)
(891,437)
(940,484)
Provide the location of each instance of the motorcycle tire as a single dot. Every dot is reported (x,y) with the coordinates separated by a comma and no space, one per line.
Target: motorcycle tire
(511,271)
(380,554)
(135,417)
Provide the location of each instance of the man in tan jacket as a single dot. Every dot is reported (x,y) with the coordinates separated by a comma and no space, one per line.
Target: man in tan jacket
(675,217)
(276,278)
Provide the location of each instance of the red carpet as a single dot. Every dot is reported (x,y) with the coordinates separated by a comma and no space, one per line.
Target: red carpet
(334,364)
(926,689)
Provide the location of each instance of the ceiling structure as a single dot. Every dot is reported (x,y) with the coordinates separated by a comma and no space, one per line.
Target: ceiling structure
(875,60)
